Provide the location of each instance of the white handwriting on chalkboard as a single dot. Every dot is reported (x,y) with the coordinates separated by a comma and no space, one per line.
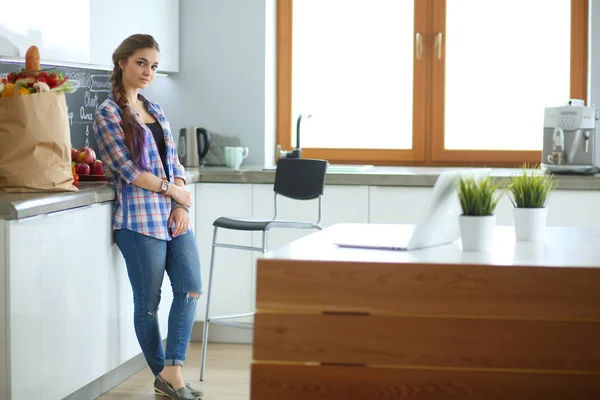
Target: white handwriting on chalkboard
(85,116)
(90,101)
(70,115)
(101,83)
(80,80)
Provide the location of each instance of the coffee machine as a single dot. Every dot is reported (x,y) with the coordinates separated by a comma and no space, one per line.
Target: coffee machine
(570,141)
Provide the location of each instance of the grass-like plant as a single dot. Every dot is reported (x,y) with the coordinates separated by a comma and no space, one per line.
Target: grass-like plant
(529,189)
(478,197)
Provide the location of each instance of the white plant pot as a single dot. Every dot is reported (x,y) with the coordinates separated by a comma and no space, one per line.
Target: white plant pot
(477,232)
(530,223)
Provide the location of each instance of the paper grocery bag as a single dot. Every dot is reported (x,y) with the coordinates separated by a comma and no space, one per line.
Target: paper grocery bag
(35,144)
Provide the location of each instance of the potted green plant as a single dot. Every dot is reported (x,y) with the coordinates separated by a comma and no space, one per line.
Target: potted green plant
(478,200)
(529,191)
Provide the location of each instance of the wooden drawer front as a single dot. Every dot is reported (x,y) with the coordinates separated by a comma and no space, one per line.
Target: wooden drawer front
(432,290)
(299,382)
(428,342)
(367,331)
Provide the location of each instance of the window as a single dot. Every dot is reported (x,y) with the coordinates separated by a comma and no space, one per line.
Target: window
(429,82)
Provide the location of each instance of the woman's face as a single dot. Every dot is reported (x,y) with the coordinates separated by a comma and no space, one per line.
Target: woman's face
(140,68)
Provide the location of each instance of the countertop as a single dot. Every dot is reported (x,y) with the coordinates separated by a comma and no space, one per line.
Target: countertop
(23,205)
(568,247)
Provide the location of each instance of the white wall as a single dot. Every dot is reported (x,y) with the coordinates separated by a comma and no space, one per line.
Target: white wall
(224,82)
(227,71)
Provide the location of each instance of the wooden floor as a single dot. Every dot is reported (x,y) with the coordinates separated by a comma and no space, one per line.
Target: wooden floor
(227,375)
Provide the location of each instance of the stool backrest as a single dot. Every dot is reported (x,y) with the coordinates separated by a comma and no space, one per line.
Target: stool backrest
(300,178)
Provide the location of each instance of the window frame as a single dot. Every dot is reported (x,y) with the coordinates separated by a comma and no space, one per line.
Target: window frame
(428,103)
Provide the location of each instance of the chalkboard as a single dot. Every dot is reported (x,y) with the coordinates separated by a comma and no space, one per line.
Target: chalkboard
(91,89)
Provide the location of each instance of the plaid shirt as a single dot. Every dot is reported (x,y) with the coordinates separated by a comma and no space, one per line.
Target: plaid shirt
(137,209)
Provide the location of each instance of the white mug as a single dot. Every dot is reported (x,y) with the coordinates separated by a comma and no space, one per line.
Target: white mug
(234,156)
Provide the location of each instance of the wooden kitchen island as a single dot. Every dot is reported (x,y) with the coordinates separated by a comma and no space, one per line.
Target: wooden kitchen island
(521,322)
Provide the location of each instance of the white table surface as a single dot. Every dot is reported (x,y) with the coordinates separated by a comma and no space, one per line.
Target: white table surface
(562,247)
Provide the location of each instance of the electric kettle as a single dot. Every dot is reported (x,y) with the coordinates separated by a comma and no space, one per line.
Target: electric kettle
(193,146)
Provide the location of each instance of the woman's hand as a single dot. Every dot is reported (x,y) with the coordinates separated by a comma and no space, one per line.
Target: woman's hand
(179,221)
(180,195)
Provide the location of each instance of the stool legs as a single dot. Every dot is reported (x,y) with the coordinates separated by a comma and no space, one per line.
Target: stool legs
(265,239)
(210,280)
(206,315)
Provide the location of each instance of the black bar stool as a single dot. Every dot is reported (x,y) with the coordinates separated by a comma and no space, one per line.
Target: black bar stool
(295,178)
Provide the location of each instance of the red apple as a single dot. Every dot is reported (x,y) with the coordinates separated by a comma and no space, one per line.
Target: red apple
(86,155)
(82,169)
(74,152)
(96,168)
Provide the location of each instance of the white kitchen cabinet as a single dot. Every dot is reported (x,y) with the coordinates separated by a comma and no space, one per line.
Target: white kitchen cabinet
(88,31)
(232,276)
(71,304)
(192,189)
(574,208)
(403,205)
(112,21)
(397,205)
(4,312)
(504,211)
(340,204)
(61,31)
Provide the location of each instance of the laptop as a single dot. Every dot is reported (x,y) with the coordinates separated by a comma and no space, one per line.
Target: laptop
(437,224)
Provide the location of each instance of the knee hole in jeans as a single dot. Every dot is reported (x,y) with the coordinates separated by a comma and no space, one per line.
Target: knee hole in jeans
(192,295)
(152,314)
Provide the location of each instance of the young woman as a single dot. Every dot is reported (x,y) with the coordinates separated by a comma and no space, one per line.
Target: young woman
(150,221)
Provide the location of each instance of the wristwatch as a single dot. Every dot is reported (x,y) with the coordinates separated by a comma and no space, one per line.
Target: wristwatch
(164,187)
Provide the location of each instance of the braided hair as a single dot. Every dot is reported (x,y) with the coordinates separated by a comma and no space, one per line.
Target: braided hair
(132,126)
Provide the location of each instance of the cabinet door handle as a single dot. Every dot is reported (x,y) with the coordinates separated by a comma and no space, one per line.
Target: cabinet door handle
(419,45)
(438,45)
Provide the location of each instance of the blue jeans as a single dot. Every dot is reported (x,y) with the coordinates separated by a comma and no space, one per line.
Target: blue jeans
(147,259)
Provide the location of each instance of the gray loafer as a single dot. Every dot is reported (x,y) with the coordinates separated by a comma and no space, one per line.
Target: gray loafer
(194,392)
(162,388)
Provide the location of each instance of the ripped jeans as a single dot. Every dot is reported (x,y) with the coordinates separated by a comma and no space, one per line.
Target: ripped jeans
(147,259)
